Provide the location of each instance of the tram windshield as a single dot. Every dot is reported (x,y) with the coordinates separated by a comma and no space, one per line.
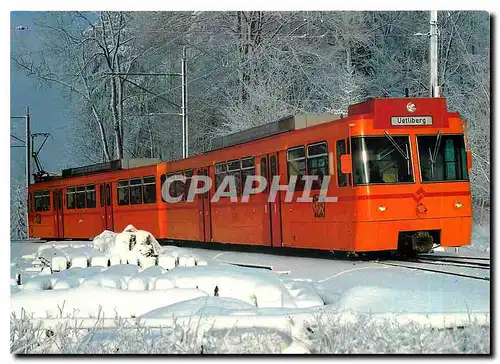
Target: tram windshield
(381,160)
(442,158)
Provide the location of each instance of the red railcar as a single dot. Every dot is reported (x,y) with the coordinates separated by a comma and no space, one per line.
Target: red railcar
(398,171)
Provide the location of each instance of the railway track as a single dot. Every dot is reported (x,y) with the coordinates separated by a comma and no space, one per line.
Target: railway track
(460,266)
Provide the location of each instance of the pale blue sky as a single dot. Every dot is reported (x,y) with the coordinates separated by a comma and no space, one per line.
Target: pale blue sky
(47,107)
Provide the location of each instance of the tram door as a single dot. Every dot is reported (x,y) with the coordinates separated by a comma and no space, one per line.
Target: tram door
(274,206)
(58,213)
(207,217)
(106,206)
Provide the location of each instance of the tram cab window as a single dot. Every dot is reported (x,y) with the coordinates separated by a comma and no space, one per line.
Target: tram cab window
(382,160)
(42,201)
(135,191)
(70,198)
(296,158)
(342,179)
(442,158)
(80,197)
(317,162)
(149,189)
(123,192)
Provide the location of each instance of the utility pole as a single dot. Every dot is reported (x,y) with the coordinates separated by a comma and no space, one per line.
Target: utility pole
(28,149)
(185,132)
(183,107)
(433,56)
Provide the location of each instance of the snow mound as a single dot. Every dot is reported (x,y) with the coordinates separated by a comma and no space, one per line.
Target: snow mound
(373,299)
(131,245)
(209,306)
(89,301)
(254,286)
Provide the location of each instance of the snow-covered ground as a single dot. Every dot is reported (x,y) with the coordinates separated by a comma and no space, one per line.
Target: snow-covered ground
(192,300)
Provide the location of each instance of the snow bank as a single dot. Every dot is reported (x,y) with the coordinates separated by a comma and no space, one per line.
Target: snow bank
(374,299)
(254,286)
(200,306)
(86,301)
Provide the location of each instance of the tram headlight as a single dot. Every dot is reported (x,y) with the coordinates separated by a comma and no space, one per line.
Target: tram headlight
(382,208)
(458,205)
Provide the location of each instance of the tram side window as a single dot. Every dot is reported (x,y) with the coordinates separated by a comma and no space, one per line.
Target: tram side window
(80,197)
(70,198)
(135,191)
(296,158)
(234,169)
(220,173)
(149,189)
(263,169)
(163,178)
(90,194)
(317,162)
(176,187)
(101,195)
(42,201)
(341,177)
(189,175)
(247,169)
(123,192)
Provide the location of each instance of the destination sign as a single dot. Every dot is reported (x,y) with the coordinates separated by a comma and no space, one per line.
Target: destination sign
(411,120)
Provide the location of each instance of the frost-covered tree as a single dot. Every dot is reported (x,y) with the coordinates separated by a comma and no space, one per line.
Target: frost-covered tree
(18,204)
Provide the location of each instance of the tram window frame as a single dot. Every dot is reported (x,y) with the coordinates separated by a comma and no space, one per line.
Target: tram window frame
(299,185)
(176,187)
(101,195)
(135,188)
(151,194)
(90,196)
(123,185)
(80,197)
(220,172)
(317,184)
(235,170)
(163,178)
(247,170)
(263,170)
(343,179)
(43,199)
(70,191)
(188,173)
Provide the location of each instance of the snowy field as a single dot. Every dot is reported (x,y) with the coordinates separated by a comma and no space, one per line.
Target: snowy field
(95,297)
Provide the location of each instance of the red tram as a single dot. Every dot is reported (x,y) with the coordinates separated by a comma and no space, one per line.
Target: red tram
(398,167)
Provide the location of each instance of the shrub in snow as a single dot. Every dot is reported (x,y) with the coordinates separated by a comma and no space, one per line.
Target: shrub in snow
(167,261)
(80,261)
(129,245)
(59,263)
(38,283)
(99,261)
(146,262)
(145,279)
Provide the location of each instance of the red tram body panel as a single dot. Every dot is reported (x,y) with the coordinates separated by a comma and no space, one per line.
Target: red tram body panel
(398,172)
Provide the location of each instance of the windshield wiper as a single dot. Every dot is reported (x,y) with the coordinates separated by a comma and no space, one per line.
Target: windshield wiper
(433,155)
(398,148)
